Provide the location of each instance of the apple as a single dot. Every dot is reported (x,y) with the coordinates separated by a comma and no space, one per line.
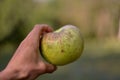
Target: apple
(62,46)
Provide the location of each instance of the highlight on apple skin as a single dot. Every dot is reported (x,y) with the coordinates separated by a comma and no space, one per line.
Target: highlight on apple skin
(62,46)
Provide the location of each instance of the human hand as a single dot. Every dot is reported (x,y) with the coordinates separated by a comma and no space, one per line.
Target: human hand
(26,63)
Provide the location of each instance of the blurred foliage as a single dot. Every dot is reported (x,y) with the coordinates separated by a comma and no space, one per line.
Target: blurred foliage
(98,20)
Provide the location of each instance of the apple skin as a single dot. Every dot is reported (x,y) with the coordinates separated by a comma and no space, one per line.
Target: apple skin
(62,46)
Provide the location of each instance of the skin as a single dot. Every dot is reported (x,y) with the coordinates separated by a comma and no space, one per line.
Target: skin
(26,63)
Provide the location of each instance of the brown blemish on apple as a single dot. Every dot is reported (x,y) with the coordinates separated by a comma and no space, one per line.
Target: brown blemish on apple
(62,50)
(69,33)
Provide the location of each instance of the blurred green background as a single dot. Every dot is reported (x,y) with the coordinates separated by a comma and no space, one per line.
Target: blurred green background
(98,20)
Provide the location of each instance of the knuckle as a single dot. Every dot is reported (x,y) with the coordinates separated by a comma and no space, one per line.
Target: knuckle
(37,26)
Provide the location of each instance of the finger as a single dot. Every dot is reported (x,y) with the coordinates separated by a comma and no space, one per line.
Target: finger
(37,32)
(50,68)
(46,68)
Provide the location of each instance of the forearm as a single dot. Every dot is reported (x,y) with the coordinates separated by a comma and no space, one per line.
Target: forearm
(12,75)
(7,75)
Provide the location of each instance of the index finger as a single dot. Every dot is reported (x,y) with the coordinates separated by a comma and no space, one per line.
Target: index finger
(38,30)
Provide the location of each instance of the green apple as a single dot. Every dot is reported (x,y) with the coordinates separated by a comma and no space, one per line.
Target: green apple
(62,46)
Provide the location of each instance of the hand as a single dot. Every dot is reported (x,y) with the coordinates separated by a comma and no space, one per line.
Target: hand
(26,63)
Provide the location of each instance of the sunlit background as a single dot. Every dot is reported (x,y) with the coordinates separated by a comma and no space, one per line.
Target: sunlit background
(98,20)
